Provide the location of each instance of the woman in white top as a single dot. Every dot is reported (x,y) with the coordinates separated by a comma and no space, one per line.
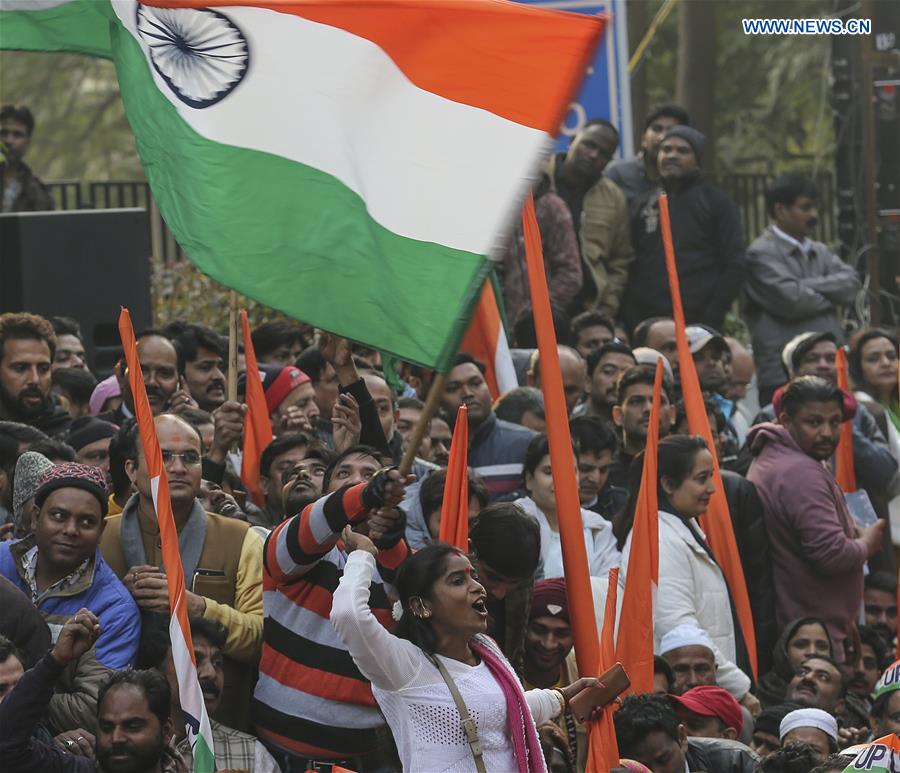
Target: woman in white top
(443,619)
(540,504)
(691,588)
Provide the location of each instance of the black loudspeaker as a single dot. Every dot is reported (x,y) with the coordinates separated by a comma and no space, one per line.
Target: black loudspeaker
(83,264)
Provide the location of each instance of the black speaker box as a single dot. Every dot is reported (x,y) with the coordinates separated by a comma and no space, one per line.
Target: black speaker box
(83,264)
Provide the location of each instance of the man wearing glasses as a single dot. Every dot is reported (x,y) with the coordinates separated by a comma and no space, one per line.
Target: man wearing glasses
(222,559)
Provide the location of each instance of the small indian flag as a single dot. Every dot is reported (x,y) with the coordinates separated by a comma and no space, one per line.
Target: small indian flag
(880,756)
(352,164)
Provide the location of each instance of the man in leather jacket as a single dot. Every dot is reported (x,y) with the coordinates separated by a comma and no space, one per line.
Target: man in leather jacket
(649,732)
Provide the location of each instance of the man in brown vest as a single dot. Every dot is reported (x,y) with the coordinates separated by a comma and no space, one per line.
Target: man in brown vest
(222,559)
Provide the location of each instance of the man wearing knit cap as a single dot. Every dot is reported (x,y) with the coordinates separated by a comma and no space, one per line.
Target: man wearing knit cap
(59,567)
(708,711)
(690,653)
(90,438)
(811,726)
(706,231)
(767,728)
(549,657)
(30,468)
(290,399)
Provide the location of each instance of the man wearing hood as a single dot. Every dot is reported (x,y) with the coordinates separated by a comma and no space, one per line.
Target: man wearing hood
(817,552)
(706,230)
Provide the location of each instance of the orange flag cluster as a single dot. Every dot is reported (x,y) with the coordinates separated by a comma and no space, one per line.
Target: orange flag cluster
(717,521)
(603,748)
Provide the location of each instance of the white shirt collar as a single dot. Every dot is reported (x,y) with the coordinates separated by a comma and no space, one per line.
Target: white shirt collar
(805,246)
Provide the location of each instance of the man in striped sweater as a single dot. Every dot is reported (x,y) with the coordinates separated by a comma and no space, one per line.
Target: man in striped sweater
(312,705)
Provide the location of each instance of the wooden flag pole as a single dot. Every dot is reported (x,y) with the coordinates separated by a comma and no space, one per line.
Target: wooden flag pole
(418,434)
(232,345)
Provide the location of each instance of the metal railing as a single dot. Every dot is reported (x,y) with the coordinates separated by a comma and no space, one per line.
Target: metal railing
(747,191)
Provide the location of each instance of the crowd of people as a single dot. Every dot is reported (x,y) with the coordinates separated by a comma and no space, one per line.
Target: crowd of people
(333,629)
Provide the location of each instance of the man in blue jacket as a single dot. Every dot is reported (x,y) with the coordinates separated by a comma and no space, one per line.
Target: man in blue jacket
(60,569)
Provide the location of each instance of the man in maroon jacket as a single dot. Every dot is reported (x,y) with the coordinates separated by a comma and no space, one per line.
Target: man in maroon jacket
(817,552)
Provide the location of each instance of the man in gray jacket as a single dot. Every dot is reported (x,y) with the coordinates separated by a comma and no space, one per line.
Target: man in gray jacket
(793,284)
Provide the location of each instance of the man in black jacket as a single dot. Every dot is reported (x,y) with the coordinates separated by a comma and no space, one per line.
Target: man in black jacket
(706,231)
(649,732)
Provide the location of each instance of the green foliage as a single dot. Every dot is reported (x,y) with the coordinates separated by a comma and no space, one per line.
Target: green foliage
(772,92)
(179,289)
(80,127)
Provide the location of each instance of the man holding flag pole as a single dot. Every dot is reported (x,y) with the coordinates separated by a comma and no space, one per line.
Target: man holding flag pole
(192,705)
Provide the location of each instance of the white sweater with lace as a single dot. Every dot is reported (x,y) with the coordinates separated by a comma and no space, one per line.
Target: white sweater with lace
(416,702)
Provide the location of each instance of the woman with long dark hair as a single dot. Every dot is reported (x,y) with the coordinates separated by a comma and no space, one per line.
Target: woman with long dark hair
(540,504)
(873,366)
(692,588)
(438,673)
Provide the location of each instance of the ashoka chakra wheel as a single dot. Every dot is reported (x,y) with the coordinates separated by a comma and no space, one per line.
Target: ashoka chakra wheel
(200,54)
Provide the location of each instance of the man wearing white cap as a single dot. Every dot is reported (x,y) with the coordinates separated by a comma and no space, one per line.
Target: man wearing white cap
(690,652)
(810,726)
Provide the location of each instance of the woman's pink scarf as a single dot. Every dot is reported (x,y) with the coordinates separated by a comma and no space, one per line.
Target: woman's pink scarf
(526,746)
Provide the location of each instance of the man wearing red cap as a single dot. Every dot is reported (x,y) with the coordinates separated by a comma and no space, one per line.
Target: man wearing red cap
(708,711)
(290,399)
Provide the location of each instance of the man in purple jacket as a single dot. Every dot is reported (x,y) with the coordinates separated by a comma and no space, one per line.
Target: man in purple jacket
(817,552)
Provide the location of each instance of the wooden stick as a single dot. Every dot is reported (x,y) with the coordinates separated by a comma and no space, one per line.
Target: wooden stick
(232,345)
(431,404)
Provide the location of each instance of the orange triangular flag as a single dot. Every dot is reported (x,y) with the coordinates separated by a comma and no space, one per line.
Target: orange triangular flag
(603,748)
(634,647)
(562,459)
(257,427)
(844,468)
(455,505)
(716,523)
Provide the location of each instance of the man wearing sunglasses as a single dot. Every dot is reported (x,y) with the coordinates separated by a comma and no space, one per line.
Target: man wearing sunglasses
(222,559)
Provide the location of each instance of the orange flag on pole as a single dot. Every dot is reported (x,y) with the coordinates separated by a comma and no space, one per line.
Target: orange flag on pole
(455,505)
(634,646)
(603,748)
(716,523)
(257,426)
(844,467)
(485,340)
(199,732)
(562,459)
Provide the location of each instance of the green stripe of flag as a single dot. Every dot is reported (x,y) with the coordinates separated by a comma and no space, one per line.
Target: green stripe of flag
(81,27)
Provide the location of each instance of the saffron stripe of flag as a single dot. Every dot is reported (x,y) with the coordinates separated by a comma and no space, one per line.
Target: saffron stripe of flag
(455,504)
(603,747)
(192,705)
(844,466)
(257,427)
(634,645)
(372,151)
(562,460)
(485,340)
(716,523)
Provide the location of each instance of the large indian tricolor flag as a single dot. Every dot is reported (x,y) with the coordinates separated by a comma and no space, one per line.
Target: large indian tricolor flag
(351,163)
